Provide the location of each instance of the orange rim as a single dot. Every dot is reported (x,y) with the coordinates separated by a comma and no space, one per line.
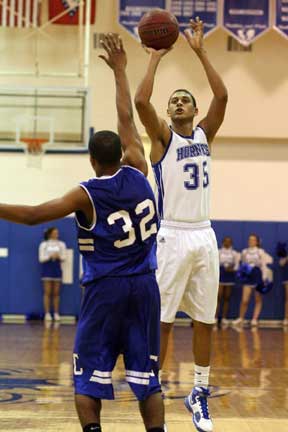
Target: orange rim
(34,145)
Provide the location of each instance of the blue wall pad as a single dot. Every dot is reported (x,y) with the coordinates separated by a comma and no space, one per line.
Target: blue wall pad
(21,288)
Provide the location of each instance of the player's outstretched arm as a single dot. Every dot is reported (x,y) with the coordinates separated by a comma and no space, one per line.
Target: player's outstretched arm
(157,128)
(130,139)
(76,199)
(216,112)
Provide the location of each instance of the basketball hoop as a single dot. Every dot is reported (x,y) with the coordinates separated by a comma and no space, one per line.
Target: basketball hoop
(34,134)
(34,149)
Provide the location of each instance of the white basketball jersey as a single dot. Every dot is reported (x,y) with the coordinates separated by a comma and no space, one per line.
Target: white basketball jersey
(183,179)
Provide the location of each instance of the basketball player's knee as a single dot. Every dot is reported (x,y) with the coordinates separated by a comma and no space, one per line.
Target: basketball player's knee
(152,411)
(166,327)
(87,402)
(202,326)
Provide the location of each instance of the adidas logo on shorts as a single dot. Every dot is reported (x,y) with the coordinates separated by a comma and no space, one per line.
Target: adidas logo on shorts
(162,240)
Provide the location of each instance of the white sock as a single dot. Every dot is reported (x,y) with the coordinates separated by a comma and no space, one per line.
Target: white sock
(201,376)
(160,376)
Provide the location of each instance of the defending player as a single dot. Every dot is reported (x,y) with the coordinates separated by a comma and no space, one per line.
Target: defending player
(117,226)
(188,271)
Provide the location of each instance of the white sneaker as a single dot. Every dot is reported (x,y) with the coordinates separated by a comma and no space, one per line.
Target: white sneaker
(48,317)
(285,322)
(254,323)
(237,322)
(56,317)
(225,322)
(197,404)
(160,377)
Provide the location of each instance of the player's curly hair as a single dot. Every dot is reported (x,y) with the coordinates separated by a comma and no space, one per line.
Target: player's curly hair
(105,147)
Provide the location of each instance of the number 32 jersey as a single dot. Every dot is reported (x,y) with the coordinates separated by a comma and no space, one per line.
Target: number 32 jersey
(122,238)
(182,178)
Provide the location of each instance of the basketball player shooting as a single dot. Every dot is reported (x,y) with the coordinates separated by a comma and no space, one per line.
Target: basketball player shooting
(188,267)
(117,227)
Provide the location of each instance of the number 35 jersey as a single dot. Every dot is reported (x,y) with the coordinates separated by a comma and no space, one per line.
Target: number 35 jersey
(182,178)
(122,238)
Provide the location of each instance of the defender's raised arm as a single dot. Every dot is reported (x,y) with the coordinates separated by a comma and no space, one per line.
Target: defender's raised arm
(130,140)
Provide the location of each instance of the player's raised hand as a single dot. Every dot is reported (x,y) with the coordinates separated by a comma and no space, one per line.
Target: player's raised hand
(116,56)
(157,53)
(194,34)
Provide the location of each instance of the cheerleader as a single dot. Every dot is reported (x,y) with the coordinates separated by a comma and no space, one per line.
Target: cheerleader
(257,259)
(52,252)
(283,262)
(229,262)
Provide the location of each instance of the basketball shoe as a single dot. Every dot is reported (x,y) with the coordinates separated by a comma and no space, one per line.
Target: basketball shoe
(197,404)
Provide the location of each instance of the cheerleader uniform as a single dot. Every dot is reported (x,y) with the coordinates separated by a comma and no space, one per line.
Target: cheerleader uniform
(284,269)
(51,268)
(254,257)
(229,259)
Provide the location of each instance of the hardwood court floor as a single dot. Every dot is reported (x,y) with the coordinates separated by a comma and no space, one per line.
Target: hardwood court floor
(249,382)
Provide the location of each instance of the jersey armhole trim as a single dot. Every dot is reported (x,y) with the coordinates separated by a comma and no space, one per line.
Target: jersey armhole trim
(166,150)
(133,168)
(94,221)
(203,130)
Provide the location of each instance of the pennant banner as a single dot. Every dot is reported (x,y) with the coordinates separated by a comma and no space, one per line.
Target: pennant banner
(207,10)
(20,13)
(131,11)
(58,8)
(246,20)
(281,21)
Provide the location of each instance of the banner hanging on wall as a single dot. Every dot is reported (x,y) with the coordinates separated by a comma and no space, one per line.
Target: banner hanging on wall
(281,17)
(246,20)
(207,10)
(131,11)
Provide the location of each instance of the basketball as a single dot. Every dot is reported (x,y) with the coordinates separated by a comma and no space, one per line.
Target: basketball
(158,29)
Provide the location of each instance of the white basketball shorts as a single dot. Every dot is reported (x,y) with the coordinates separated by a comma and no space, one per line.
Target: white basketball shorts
(188,270)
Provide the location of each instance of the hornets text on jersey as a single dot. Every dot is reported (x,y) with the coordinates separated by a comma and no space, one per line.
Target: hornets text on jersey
(182,178)
(122,238)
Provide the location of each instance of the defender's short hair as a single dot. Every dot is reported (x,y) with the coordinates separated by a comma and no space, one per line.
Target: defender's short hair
(105,147)
(185,91)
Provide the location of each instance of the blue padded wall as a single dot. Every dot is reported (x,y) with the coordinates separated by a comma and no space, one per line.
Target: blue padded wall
(21,289)
(21,292)
(270,233)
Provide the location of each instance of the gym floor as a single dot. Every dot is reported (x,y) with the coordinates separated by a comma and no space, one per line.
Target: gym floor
(249,381)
